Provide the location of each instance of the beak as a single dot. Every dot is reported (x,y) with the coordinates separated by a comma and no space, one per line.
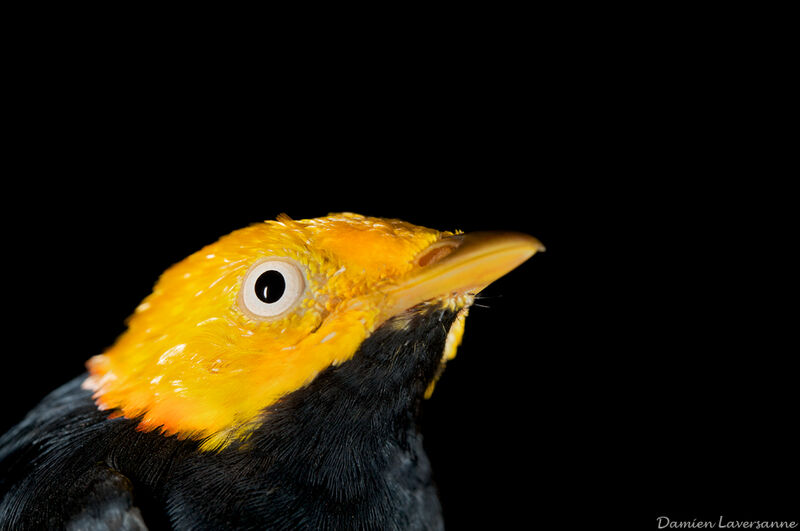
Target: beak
(459,265)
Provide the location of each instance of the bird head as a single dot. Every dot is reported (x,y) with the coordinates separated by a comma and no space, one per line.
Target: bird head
(261,312)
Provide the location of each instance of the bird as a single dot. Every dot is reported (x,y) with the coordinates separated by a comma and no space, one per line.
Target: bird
(271,380)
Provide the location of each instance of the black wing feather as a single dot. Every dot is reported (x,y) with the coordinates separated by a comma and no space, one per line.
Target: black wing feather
(49,480)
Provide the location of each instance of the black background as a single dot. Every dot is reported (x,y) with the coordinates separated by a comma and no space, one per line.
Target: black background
(639,363)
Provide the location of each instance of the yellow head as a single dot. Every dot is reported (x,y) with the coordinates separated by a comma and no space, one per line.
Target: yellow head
(258,314)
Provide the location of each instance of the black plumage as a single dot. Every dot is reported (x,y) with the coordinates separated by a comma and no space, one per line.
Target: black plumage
(343,452)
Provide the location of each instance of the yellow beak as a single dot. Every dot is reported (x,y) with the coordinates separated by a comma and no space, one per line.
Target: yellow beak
(459,265)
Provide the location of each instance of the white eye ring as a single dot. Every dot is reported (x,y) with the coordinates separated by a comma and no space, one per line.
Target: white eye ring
(271,288)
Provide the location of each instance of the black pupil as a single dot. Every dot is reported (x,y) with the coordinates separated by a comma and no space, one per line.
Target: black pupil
(270,286)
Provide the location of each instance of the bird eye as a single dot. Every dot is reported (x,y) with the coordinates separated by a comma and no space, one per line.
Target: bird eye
(271,288)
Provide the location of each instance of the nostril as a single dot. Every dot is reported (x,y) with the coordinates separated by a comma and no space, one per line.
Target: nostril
(438,250)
